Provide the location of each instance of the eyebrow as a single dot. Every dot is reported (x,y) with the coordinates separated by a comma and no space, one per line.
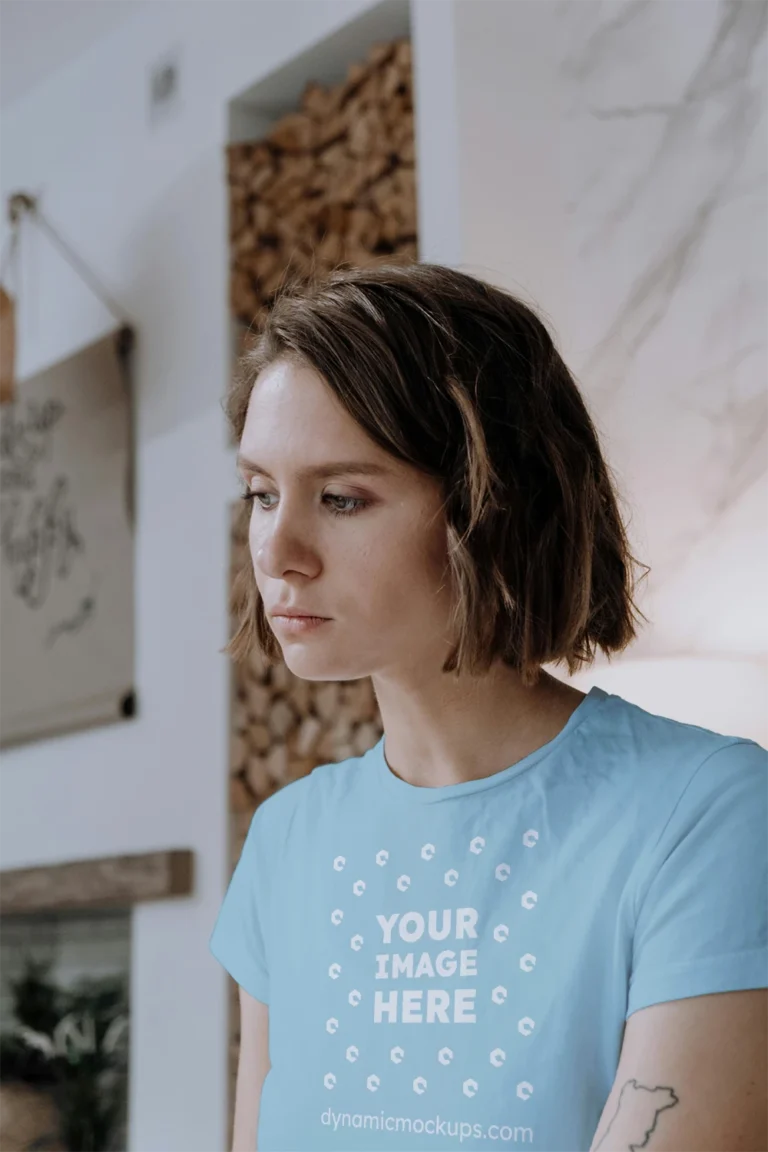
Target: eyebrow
(321,471)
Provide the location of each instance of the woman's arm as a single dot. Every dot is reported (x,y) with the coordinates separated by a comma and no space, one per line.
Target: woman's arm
(252,1068)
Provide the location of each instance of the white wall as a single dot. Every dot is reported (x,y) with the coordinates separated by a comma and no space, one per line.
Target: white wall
(146,208)
(39,38)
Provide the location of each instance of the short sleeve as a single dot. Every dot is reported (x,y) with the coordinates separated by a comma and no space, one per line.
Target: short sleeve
(237,940)
(702,921)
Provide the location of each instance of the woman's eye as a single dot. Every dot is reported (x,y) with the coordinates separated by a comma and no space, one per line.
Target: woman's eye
(250,495)
(354,505)
(338,505)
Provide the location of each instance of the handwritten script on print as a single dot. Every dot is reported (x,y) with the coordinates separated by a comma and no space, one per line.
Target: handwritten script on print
(66,546)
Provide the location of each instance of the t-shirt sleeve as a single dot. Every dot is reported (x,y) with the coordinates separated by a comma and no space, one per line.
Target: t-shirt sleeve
(702,921)
(238,937)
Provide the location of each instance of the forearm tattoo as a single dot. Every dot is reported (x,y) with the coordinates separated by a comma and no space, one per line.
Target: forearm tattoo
(644,1106)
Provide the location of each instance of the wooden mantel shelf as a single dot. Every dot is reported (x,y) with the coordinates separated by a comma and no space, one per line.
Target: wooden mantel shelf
(108,882)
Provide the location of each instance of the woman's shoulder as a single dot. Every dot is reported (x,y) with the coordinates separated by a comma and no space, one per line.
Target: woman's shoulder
(323,786)
(630,734)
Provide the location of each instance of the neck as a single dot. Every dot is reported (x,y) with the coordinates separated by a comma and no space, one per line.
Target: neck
(449,729)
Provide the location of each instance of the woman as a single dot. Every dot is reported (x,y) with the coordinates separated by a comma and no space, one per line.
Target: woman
(438,943)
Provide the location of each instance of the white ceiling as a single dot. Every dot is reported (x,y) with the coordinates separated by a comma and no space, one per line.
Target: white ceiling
(37,37)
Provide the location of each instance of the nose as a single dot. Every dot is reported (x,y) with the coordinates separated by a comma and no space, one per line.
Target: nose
(283,551)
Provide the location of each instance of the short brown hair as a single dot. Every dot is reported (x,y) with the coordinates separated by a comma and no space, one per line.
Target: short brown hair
(461,380)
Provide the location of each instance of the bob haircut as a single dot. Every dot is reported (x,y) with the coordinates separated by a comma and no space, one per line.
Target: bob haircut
(462,381)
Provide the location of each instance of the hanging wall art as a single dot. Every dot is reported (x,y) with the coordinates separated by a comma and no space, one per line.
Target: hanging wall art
(66,544)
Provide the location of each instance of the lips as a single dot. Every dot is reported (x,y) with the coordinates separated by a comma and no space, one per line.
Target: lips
(299,615)
(298,625)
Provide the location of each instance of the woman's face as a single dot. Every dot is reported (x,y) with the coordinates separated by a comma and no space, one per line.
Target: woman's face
(365,549)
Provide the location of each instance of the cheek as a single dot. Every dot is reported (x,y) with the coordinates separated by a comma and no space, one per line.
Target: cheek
(409,570)
(254,544)
(432,555)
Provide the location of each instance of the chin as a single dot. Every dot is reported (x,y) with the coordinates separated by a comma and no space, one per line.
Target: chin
(313,666)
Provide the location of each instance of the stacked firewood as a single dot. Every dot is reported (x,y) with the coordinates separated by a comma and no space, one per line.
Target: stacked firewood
(332,183)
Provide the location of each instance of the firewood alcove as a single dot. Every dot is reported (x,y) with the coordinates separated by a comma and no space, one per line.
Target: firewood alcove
(329,181)
(332,183)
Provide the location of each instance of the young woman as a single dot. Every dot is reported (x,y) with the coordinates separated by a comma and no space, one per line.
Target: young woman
(438,943)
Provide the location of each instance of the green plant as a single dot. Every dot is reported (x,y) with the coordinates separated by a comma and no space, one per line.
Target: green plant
(75,1042)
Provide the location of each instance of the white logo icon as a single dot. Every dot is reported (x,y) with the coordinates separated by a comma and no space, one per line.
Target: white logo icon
(337,916)
(396,1055)
(373,1083)
(331,1025)
(339,863)
(445,1055)
(528,962)
(356,942)
(358,887)
(530,837)
(499,994)
(382,857)
(477,845)
(352,1053)
(500,933)
(420,1085)
(525,1026)
(529,899)
(470,1087)
(403,882)
(498,1056)
(428,851)
(451,877)
(354,997)
(525,1090)
(329,1080)
(334,971)
(502,871)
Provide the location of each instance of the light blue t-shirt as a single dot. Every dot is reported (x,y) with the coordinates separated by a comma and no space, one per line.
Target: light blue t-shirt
(451,968)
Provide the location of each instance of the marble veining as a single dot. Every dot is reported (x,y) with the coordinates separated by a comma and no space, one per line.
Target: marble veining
(663,168)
